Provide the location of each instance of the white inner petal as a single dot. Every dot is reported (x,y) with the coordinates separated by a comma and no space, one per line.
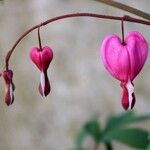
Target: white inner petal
(42,81)
(11,93)
(130,89)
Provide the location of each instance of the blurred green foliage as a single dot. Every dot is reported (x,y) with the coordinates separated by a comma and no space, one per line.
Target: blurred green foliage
(116,128)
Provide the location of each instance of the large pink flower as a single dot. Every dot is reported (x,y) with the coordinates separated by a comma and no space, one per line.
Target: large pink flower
(42,58)
(125,61)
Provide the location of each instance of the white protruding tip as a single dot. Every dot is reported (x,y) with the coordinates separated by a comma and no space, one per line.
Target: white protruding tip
(42,81)
(11,93)
(130,89)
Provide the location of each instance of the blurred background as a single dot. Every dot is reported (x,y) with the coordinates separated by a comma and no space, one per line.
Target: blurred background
(80,84)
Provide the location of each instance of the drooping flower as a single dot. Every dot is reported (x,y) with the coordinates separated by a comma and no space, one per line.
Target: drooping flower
(42,58)
(124,62)
(8,78)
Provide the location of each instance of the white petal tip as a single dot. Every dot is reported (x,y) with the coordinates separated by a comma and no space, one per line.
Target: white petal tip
(42,82)
(130,89)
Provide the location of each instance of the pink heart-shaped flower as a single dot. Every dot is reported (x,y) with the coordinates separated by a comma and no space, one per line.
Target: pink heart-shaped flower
(125,61)
(41,58)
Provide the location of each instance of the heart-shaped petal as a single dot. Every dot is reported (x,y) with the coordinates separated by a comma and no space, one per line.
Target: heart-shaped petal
(138,52)
(41,58)
(124,61)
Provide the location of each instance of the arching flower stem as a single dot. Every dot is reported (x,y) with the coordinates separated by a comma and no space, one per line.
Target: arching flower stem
(124,18)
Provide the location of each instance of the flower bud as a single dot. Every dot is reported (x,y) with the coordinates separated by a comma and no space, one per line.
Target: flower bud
(8,77)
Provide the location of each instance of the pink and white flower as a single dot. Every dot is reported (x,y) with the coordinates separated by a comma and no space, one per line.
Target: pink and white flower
(8,78)
(42,58)
(125,61)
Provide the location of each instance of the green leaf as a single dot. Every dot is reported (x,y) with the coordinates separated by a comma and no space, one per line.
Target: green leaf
(148,147)
(93,128)
(80,138)
(124,119)
(116,121)
(90,128)
(133,137)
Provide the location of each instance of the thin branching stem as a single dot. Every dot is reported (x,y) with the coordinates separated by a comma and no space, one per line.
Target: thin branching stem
(126,8)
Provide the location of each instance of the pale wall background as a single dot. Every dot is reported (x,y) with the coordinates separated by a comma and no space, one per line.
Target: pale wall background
(80,84)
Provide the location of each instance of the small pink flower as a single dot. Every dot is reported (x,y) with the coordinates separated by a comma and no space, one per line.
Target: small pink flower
(42,58)
(8,77)
(125,61)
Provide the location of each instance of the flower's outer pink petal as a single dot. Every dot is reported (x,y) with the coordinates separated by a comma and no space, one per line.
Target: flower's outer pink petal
(35,55)
(44,86)
(125,100)
(138,51)
(41,58)
(46,56)
(115,57)
(124,61)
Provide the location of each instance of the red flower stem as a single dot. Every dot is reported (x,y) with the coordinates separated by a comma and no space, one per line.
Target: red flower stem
(125,18)
(39,39)
(122,29)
